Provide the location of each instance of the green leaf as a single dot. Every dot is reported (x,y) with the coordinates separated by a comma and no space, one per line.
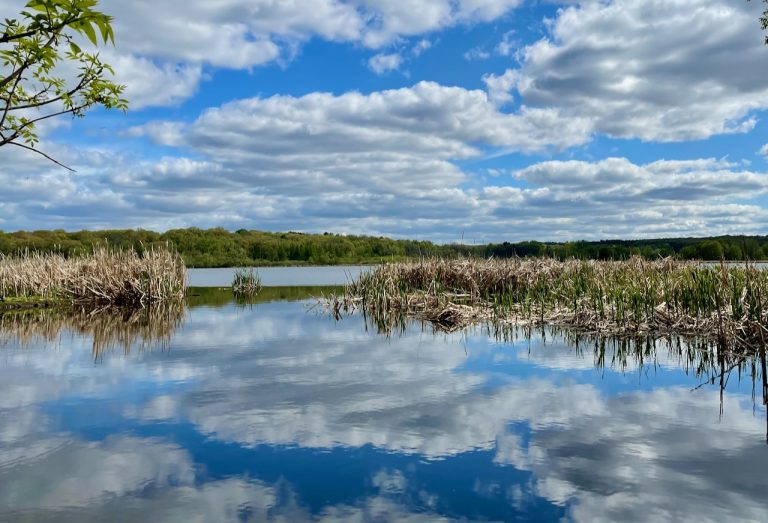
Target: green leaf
(88,31)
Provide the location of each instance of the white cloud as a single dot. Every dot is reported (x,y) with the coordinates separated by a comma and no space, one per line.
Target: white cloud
(763,150)
(508,44)
(161,49)
(385,63)
(150,84)
(392,20)
(657,70)
(420,47)
(383,163)
(476,53)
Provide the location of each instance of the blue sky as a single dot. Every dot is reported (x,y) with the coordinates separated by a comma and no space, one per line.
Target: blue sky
(489,120)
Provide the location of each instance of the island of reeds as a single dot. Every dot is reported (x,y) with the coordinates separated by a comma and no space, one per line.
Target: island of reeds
(105,276)
(724,303)
(246,282)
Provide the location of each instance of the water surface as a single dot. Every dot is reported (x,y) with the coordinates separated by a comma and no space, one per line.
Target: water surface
(273,411)
(280,276)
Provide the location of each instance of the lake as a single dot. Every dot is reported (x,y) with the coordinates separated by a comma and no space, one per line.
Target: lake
(273,411)
(294,276)
(280,276)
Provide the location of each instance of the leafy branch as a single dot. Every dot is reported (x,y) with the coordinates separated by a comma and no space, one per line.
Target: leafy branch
(33,51)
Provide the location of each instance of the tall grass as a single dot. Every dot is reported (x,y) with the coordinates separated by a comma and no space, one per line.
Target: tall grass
(620,297)
(246,282)
(106,276)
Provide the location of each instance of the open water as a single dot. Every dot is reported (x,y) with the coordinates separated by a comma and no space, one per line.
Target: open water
(274,411)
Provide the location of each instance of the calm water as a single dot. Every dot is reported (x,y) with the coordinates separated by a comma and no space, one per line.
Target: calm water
(292,276)
(280,276)
(275,412)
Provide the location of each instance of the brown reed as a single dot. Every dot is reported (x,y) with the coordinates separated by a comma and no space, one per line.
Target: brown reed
(604,297)
(106,276)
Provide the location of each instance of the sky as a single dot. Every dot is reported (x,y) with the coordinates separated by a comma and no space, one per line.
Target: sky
(445,120)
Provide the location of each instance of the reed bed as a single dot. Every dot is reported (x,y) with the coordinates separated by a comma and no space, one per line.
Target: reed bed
(246,283)
(722,303)
(106,276)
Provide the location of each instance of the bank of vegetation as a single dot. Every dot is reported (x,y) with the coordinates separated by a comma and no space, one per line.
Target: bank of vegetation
(243,248)
(722,303)
(105,276)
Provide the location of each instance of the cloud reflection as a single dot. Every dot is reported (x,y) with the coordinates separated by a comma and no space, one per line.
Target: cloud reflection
(275,376)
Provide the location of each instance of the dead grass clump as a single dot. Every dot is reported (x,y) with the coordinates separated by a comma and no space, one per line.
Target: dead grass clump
(246,282)
(106,276)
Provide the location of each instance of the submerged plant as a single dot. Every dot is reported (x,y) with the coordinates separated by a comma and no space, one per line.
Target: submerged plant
(246,282)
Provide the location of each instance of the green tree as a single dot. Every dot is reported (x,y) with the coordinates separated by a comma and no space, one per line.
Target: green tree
(711,250)
(36,50)
(764,20)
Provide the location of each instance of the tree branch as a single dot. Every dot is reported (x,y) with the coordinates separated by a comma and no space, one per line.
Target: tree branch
(17,131)
(41,153)
(34,105)
(5,38)
(10,95)
(17,72)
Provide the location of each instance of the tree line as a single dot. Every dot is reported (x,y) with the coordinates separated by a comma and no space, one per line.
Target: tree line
(221,248)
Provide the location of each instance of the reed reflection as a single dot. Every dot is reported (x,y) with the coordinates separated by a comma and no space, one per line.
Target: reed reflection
(108,328)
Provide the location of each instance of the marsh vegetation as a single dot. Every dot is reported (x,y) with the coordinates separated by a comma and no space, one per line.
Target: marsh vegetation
(727,304)
(104,276)
(246,282)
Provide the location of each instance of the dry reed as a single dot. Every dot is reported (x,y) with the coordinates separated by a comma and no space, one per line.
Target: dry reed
(724,303)
(106,276)
(246,283)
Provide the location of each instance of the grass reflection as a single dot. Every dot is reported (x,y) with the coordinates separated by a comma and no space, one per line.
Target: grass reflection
(109,327)
(136,328)
(221,296)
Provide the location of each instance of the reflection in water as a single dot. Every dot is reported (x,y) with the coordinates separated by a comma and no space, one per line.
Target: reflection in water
(270,413)
(107,327)
(221,297)
(708,360)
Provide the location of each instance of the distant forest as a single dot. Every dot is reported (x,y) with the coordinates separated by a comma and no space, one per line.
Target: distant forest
(221,248)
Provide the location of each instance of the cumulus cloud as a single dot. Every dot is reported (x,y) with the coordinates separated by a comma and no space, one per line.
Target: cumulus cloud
(508,44)
(385,63)
(421,47)
(383,163)
(148,83)
(392,162)
(162,49)
(656,70)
